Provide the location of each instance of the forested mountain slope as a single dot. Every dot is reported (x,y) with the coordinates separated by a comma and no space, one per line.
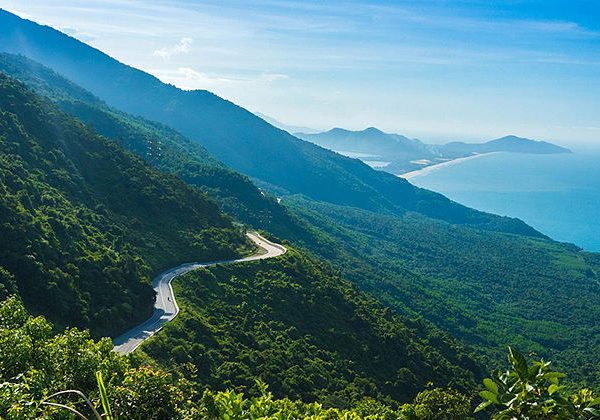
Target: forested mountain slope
(83,224)
(488,289)
(406,268)
(159,145)
(295,324)
(237,137)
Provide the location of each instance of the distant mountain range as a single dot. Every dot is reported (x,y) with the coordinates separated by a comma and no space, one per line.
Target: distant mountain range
(489,281)
(512,144)
(275,159)
(398,154)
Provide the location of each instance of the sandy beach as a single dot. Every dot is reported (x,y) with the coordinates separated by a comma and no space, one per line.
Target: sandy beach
(432,168)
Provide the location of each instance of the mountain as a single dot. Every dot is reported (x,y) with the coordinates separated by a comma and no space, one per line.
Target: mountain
(488,289)
(286,127)
(371,142)
(159,145)
(83,224)
(512,144)
(405,270)
(296,324)
(397,154)
(240,139)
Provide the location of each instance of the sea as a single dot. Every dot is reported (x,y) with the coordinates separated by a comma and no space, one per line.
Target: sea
(559,195)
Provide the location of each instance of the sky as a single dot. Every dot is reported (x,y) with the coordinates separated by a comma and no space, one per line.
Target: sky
(438,70)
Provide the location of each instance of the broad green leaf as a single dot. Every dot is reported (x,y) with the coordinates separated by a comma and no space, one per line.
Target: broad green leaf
(489,396)
(490,385)
(553,377)
(482,406)
(553,388)
(595,412)
(518,362)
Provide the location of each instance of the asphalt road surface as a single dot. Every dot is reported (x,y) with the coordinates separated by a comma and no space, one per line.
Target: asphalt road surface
(165,307)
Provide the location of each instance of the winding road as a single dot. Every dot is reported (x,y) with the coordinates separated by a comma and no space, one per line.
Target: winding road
(165,307)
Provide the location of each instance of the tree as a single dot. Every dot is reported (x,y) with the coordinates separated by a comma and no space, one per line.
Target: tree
(533,392)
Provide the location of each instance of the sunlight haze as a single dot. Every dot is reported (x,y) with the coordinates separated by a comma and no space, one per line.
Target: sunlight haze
(476,71)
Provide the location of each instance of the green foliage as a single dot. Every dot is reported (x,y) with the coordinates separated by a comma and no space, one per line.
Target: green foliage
(533,391)
(58,373)
(489,290)
(46,375)
(103,396)
(35,363)
(298,326)
(76,213)
(439,404)
(160,146)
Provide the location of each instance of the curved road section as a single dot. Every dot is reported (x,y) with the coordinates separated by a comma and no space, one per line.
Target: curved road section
(165,307)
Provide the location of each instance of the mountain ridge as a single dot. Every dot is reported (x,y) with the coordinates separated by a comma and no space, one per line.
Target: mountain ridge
(399,154)
(234,135)
(77,211)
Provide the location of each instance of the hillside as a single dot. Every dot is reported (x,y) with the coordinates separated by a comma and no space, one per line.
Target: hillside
(398,154)
(97,201)
(237,137)
(511,144)
(296,325)
(371,142)
(158,145)
(489,290)
(84,224)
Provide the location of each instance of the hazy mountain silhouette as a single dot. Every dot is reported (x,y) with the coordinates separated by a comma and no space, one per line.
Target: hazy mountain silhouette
(234,135)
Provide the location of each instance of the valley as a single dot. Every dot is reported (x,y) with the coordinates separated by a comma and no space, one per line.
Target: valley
(166,253)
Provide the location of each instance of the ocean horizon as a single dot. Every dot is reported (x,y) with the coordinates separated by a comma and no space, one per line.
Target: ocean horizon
(556,194)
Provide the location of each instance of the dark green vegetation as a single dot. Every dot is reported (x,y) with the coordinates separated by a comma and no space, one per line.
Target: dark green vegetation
(309,334)
(420,359)
(35,364)
(488,289)
(237,137)
(414,250)
(157,144)
(534,391)
(83,224)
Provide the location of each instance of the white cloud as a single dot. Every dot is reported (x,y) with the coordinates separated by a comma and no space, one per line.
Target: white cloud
(188,78)
(182,47)
(76,33)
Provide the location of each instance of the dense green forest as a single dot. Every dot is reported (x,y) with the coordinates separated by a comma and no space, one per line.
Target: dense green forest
(83,224)
(467,282)
(296,325)
(46,375)
(488,289)
(158,145)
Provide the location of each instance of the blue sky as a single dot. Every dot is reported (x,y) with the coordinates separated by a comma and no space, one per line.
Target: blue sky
(437,70)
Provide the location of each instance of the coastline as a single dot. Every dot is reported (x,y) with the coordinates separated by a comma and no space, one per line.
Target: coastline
(432,168)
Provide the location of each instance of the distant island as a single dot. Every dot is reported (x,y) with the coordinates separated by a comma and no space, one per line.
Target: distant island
(399,154)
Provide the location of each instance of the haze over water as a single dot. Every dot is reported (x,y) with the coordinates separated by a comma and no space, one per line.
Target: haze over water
(557,194)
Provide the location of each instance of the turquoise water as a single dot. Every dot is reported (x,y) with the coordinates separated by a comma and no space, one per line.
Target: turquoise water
(557,194)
